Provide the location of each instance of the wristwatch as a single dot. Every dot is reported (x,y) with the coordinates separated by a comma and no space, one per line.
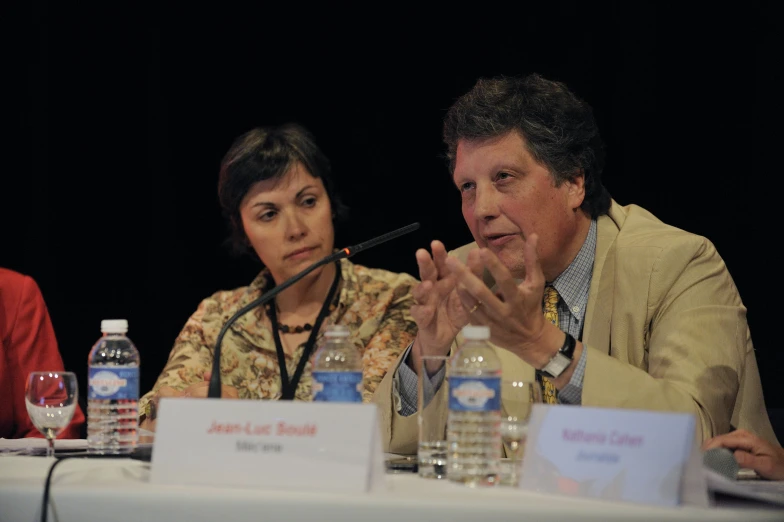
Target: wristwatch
(561,360)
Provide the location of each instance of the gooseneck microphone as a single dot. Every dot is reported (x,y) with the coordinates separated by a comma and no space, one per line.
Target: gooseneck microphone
(214,390)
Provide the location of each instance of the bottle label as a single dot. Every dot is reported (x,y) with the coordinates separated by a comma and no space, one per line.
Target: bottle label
(113,383)
(475,393)
(337,386)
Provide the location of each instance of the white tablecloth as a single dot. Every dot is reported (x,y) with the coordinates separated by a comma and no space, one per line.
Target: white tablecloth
(85,490)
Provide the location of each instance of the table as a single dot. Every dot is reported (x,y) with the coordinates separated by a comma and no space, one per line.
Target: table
(86,490)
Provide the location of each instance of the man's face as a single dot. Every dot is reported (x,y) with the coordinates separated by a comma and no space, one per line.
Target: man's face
(507,195)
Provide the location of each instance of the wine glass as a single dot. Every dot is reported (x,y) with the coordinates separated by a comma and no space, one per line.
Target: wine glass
(519,399)
(51,399)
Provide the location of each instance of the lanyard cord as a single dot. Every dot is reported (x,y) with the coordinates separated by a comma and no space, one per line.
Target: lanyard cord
(289,388)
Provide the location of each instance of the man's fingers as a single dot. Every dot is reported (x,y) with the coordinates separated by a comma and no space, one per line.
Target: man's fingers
(472,285)
(436,282)
(430,292)
(738,439)
(422,291)
(533,267)
(444,286)
(478,314)
(422,314)
(746,459)
(427,269)
(474,307)
(439,257)
(474,263)
(503,277)
(762,464)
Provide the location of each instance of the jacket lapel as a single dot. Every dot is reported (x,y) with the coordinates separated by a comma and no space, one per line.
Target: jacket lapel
(596,332)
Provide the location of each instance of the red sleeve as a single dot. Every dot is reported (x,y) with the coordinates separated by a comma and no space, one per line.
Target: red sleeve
(30,345)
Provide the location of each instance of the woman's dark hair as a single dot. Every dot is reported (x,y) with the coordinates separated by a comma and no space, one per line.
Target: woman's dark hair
(266,153)
(558,127)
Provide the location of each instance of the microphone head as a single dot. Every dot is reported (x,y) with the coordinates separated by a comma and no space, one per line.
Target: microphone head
(722,461)
(350,251)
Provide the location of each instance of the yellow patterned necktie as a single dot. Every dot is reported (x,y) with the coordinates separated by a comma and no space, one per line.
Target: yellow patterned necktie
(550,306)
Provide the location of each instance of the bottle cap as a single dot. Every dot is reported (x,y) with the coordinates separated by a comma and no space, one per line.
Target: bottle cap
(337,330)
(114,326)
(476,333)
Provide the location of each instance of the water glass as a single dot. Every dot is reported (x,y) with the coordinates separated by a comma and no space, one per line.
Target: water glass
(431,452)
(518,398)
(51,399)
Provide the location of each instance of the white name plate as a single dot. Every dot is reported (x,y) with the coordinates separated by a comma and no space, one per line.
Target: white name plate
(280,445)
(629,455)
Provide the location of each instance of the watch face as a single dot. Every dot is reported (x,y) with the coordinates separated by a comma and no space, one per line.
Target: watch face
(557,365)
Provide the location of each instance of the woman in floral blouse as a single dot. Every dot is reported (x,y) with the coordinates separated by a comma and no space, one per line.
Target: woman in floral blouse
(276,192)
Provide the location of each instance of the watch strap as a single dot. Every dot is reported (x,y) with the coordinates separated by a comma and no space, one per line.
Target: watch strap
(564,355)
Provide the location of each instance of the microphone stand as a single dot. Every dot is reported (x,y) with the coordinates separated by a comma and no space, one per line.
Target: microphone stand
(214,390)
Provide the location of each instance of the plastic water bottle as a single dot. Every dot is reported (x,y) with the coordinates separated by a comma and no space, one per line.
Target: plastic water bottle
(113,393)
(337,368)
(474,421)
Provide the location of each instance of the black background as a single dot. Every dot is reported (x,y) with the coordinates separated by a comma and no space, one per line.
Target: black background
(118,116)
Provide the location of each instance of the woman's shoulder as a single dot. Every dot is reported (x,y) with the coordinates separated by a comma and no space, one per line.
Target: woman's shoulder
(226,300)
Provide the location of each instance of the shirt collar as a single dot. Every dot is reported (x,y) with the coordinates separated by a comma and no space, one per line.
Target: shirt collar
(573,282)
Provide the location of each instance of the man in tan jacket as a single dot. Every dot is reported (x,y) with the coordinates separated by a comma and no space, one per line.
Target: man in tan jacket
(648,314)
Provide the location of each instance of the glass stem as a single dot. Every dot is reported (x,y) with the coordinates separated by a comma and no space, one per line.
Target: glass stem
(50,447)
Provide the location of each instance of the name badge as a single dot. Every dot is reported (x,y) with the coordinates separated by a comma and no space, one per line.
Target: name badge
(275,444)
(629,455)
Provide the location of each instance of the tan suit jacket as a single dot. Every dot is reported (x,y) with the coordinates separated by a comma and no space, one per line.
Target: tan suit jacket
(665,330)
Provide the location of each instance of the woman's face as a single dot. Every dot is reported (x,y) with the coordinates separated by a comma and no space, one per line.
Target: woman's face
(288,221)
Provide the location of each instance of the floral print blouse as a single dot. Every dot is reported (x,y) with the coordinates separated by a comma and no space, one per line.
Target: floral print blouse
(373,303)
